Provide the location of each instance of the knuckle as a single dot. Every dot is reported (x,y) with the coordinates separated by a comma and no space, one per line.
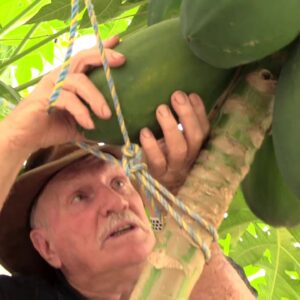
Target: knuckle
(181,151)
(77,77)
(198,137)
(158,162)
(185,112)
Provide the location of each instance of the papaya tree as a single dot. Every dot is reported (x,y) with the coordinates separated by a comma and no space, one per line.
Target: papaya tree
(242,57)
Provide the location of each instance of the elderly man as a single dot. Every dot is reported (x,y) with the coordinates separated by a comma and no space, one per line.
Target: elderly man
(73,226)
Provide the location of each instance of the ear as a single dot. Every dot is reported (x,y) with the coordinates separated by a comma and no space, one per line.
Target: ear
(44,247)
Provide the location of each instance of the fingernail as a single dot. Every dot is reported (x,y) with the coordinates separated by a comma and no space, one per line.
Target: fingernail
(194,99)
(106,113)
(146,133)
(117,55)
(164,111)
(180,98)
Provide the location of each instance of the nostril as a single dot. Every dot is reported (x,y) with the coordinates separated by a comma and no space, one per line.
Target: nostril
(113,203)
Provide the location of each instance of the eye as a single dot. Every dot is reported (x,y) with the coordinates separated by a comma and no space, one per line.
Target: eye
(79,197)
(118,183)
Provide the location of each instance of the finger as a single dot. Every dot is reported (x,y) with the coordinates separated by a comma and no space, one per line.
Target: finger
(44,87)
(71,103)
(111,42)
(155,157)
(115,58)
(200,111)
(89,93)
(175,142)
(86,59)
(65,124)
(193,131)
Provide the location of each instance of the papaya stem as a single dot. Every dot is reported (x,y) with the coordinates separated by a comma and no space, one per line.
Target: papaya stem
(238,133)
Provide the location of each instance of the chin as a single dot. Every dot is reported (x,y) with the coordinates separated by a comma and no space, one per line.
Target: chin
(143,251)
(135,254)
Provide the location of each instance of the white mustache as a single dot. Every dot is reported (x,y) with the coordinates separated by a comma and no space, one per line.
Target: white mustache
(126,216)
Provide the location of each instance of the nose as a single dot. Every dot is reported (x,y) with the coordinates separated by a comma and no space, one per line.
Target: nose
(112,202)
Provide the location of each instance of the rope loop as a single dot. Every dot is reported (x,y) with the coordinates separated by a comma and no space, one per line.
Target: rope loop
(131,160)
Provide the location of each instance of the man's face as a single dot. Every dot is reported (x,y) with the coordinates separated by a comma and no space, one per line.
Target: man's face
(94,219)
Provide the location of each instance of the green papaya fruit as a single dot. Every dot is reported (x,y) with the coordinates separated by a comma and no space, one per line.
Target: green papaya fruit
(158,63)
(266,192)
(228,33)
(286,125)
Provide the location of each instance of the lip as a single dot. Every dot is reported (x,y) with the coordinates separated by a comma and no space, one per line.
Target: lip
(118,227)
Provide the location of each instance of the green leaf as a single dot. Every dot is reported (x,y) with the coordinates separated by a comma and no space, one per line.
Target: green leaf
(5,108)
(9,94)
(36,46)
(57,9)
(5,52)
(23,71)
(295,232)
(238,219)
(274,251)
(44,29)
(19,15)
(139,21)
(16,36)
(135,1)
(10,9)
(160,10)
(119,24)
(104,9)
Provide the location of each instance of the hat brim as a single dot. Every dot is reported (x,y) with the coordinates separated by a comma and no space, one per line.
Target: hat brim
(16,251)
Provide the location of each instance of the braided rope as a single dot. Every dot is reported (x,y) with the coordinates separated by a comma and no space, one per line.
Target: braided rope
(128,146)
(65,67)
(109,78)
(131,160)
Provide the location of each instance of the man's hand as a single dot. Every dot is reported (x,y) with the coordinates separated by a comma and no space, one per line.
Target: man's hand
(171,158)
(30,127)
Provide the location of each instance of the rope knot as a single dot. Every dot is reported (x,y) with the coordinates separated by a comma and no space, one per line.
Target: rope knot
(131,160)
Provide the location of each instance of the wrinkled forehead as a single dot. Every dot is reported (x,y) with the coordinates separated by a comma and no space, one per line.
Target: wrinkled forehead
(86,165)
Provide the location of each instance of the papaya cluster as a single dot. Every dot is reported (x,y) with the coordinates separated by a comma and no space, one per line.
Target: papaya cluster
(198,52)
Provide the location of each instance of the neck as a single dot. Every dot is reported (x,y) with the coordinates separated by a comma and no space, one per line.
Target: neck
(116,285)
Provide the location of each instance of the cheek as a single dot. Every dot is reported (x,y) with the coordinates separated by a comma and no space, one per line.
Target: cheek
(74,234)
(75,245)
(138,206)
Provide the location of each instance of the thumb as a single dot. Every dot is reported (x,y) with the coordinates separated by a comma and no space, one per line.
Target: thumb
(115,59)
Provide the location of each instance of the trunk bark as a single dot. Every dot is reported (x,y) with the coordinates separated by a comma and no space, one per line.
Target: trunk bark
(176,264)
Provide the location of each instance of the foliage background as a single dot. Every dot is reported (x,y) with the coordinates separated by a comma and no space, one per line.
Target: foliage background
(33,39)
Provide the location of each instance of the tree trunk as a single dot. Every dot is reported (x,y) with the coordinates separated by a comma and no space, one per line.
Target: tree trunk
(176,263)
